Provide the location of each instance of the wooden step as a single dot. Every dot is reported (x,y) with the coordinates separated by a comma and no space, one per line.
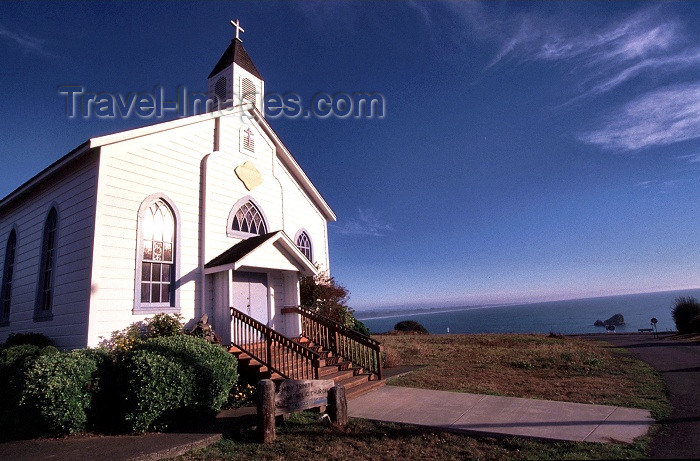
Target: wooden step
(323,372)
(363,388)
(339,375)
(352,381)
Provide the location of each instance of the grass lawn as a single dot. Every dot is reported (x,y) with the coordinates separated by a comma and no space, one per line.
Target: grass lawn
(533,366)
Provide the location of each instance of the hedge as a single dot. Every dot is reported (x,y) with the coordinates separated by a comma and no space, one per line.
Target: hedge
(166,381)
(14,363)
(58,390)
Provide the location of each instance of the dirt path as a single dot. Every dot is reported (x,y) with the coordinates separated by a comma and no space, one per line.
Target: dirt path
(678,361)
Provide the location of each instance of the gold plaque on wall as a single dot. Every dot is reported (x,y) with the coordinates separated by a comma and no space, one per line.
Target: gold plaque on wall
(249,175)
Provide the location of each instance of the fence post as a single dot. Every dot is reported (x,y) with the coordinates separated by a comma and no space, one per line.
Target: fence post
(338,405)
(266,410)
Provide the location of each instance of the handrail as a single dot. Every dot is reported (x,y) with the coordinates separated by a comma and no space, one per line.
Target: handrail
(280,354)
(344,342)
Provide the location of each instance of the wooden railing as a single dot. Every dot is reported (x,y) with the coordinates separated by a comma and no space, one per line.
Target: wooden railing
(280,354)
(355,347)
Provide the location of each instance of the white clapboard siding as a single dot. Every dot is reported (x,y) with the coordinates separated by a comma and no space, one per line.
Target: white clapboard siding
(73,192)
(300,213)
(166,163)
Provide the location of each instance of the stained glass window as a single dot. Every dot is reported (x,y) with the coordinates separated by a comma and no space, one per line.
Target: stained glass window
(157,257)
(249,220)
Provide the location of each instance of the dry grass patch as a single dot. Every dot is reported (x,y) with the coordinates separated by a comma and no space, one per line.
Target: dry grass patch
(531,366)
(303,438)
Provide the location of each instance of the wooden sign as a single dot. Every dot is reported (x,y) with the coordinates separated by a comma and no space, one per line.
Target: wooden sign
(300,394)
(296,395)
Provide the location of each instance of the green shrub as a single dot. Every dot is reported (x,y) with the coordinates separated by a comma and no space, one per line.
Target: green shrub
(14,362)
(360,327)
(154,327)
(695,324)
(154,389)
(37,339)
(57,391)
(164,325)
(166,380)
(684,312)
(410,326)
(124,340)
(104,407)
(242,394)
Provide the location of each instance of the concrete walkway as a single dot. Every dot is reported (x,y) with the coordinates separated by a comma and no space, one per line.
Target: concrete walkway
(490,415)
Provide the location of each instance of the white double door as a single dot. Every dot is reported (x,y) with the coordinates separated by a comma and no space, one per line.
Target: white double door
(250,291)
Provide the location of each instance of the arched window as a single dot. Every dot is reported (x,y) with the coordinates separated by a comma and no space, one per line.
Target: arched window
(47,272)
(6,291)
(304,244)
(156,257)
(248,220)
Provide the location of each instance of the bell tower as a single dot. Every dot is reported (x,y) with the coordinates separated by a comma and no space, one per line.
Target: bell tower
(235,80)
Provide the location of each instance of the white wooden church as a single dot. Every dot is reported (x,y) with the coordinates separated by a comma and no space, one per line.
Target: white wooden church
(188,216)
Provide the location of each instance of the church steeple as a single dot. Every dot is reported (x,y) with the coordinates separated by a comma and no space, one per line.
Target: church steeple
(235,80)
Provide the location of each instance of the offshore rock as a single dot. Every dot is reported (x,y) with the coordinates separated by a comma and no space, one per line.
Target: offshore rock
(615,320)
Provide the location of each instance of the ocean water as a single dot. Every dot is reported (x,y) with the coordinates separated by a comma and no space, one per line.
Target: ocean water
(566,317)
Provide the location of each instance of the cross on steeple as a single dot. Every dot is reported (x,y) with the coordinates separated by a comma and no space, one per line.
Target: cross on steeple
(238,27)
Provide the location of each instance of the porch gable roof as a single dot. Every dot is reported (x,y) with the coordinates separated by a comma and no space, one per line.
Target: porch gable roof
(274,250)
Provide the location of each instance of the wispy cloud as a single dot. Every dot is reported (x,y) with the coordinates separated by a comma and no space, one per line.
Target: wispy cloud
(664,185)
(24,41)
(646,43)
(692,158)
(660,117)
(367,222)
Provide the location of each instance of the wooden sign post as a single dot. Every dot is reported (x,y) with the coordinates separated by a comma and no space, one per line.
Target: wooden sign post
(296,395)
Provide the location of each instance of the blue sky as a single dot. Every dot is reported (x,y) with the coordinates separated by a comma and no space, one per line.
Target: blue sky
(529,150)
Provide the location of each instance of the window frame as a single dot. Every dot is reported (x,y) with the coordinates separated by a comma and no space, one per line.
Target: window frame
(8,272)
(49,242)
(173,306)
(299,234)
(238,205)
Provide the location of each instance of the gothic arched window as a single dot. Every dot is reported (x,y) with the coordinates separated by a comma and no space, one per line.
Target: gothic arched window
(247,220)
(47,271)
(6,291)
(304,244)
(157,256)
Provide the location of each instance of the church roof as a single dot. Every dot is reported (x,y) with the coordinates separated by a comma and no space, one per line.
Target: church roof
(93,145)
(235,53)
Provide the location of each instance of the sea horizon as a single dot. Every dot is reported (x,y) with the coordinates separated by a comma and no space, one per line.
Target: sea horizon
(566,316)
